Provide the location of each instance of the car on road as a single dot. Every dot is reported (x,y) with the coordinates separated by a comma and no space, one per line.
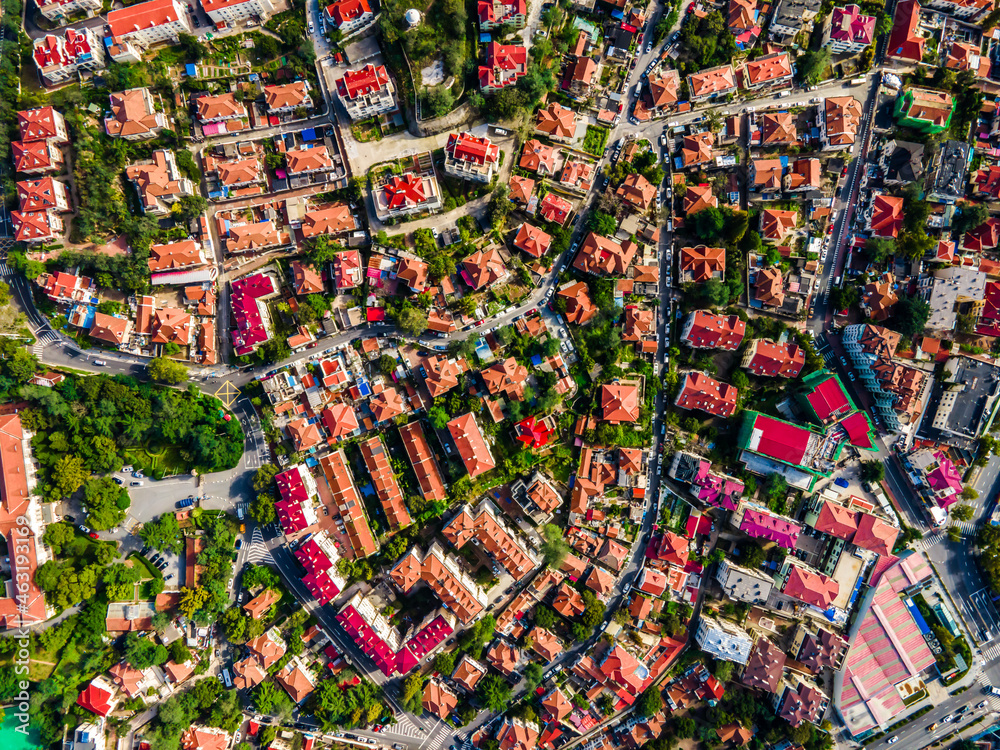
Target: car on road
(981,705)
(100,362)
(93,535)
(893,739)
(239,543)
(169,577)
(84,529)
(135,484)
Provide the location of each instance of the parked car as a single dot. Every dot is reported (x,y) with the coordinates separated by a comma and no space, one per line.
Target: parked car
(93,535)
(135,484)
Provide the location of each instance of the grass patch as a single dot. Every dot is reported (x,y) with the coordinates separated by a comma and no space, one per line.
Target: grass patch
(595,140)
(367,131)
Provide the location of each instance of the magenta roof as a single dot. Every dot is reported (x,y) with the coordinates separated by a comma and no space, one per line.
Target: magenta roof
(857,428)
(763,525)
(720,492)
(368,640)
(290,516)
(312,557)
(850,26)
(828,399)
(945,476)
(780,440)
(321,586)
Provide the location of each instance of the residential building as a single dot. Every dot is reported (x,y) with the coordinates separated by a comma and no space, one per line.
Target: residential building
(133,114)
(219,108)
(532,240)
(538,157)
(149,23)
(664,89)
(42,131)
(601,256)
(58,10)
(838,123)
(287,98)
(970,11)
(848,31)
(483,268)
(496,13)
(766,358)
(705,330)
(409,193)
(775,225)
(712,83)
(777,129)
(905,43)
(697,198)
(902,162)
(40,201)
(555,209)
(470,157)
(701,392)
(429,478)
(879,296)
(579,307)
(231,12)
(697,149)
(110,330)
(802,703)
(483,523)
(61,59)
(174,256)
(743,584)
(805,174)
(367,92)
(791,16)
(443,575)
(809,586)
(583,76)
(299,161)
(250,313)
(765,666)
(471,445)
(951,164)
(619,402)
(160,183)
(347,504)
(507,378)
(723,640)
(333,219)
(764,176)
(637,191)
(254,237)
(771,71)
(347,270)
(925,110)
(504,65)
(896,388)
(347,16)
(742,16)
(886,217)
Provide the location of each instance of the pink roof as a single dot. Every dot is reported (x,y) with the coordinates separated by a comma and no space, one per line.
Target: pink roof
(720,492)
(945,476)
(858,430)
(321,586)
(368,640)
(848,25)
(780,440)
(763,525)
(312,557)
(828,399)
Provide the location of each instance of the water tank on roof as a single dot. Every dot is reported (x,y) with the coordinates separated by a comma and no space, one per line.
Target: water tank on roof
(412,17)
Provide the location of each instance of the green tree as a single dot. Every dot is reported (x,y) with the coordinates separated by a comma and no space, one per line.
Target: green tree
(752,555)
(707,224)
(602,223)
(650,703)
(532,676)
(445,662)
(554,548)
(494,693)
(872,471)
(412,320)
(962,512)
(910,316)
(57,536)
(67,477)
(106,503)
(164,370)
(163,534)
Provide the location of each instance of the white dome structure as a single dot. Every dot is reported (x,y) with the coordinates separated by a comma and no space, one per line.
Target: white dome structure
(412,17)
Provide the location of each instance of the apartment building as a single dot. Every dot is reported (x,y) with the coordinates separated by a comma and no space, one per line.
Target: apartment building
(61,59)
(471,158)
(232,12)
(367,92)
(150,23)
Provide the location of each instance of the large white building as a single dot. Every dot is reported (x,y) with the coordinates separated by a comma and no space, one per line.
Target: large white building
(470,157)
(367,92)
(150,23)
(234,11)
(723,640)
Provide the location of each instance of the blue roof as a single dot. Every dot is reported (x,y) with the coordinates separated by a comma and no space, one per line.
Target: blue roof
(189,69)
(309,134)
(616,13)
(363,388)
(536,360)
(484,38)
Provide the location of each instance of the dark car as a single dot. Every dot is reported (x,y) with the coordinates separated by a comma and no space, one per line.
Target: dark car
(239,543)
(69,519)
(118,481)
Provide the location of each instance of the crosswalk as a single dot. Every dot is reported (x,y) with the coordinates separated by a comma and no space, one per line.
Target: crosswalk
(969,528)
(437,740)
(990,654)
(5,270)
(982,679)
(928,541)
(257,552)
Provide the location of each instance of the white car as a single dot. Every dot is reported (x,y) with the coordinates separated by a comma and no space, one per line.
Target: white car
(891,740)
